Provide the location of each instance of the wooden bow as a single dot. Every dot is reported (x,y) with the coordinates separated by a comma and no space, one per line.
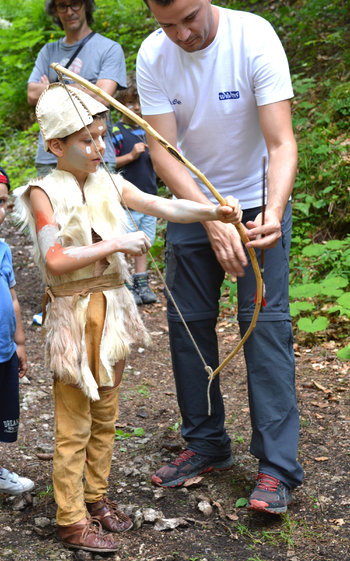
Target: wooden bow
(171,150)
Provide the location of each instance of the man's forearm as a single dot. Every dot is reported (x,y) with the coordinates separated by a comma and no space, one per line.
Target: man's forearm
(280,177)
(35,89)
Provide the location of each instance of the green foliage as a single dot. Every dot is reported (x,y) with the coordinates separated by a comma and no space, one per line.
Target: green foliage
(344,354)
(121,435)
(319,287)
(229,291)
(19,46)
(17,153)
(126,21)
(242,502)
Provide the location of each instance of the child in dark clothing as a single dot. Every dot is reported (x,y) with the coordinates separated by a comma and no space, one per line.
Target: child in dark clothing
(13,362)
(133,160)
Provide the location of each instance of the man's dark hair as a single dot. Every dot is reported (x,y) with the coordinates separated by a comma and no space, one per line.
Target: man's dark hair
(89,9)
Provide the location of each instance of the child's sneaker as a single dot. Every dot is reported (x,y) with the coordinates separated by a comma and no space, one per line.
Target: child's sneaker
(143,290)
(270,495)
(13,484)
(38,319)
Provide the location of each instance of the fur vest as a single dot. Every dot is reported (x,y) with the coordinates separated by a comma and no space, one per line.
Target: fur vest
(66,316)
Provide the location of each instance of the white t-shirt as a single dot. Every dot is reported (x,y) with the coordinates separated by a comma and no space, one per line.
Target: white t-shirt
(214,94)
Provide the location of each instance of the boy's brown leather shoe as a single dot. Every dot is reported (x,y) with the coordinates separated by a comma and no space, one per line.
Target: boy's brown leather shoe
(88,536)
(108,513)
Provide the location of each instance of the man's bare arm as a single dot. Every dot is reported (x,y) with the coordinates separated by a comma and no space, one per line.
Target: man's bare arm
(276,124)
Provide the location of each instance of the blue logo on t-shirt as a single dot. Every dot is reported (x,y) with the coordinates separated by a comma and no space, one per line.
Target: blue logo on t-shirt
(229,95)
(176,102)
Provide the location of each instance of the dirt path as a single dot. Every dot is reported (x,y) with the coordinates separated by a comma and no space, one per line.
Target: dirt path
(316,526)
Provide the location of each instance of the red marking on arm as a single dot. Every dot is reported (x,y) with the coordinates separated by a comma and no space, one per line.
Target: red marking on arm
(41,220)
(55,250)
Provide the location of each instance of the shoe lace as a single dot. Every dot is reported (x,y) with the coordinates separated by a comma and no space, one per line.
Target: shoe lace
(114,508)
(267,482)
(93,526)
(183,457)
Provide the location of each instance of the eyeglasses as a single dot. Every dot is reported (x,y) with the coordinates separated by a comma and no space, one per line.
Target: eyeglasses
(62,7)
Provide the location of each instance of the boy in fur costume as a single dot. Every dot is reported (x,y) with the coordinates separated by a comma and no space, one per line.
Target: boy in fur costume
(79,232)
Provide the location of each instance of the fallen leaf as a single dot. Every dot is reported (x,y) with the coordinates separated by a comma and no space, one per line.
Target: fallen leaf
(338,521)
(220,509)
(45,457)
(321,459)
(232,517)
(317,404)
(321,388)
(169,524)
(193,481)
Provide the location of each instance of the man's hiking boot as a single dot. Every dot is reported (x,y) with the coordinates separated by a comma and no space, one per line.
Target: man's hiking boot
(269,495)
(187,465)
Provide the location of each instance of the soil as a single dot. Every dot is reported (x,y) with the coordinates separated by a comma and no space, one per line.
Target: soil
(316,526)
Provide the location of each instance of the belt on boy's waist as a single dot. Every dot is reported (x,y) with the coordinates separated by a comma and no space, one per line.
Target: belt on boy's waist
(80,287)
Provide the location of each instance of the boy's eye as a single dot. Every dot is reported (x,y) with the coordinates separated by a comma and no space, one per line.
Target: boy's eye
(3,201)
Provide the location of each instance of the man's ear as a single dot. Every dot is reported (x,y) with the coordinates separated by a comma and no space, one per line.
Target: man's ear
(56,146)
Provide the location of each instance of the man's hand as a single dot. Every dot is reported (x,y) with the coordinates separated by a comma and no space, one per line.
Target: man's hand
(266,236)
(227,246)
(44,80)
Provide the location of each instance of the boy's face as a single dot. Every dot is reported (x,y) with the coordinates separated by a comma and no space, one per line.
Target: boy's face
(4,196)
(78,153)
(133,103)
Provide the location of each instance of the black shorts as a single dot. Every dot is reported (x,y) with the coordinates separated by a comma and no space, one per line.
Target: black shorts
(9,399)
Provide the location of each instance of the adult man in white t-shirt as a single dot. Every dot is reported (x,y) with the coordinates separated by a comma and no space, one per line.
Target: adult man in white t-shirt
(216,82)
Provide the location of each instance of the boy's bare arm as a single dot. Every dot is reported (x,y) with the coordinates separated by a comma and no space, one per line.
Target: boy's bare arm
(19,336)
(59,259)
(180,210)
